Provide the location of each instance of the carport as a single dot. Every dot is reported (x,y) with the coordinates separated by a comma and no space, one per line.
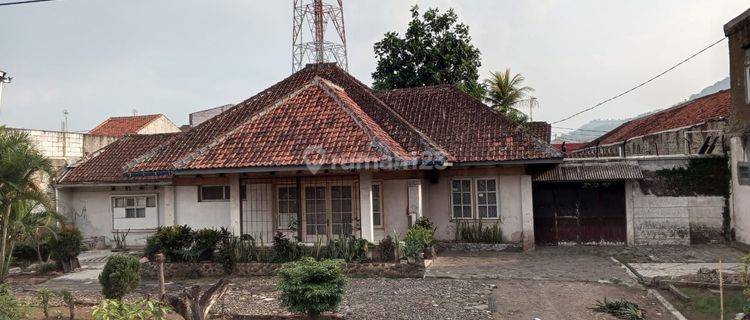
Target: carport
(582,202)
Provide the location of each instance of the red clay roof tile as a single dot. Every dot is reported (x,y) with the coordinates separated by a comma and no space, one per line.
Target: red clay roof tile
(120,126)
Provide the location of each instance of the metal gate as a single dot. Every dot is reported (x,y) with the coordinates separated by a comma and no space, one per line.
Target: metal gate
(579,212)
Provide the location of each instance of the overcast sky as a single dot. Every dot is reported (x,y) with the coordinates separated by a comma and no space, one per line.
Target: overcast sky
(101,58)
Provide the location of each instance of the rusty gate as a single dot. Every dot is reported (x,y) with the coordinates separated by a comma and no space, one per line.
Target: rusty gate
(579,212)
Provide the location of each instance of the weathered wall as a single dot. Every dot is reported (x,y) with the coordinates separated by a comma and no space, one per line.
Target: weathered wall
(511,209)
(739,39)
(662,214)
(674,142)
(740,200)
(190,211)
(160,125)
(395,204)
(92,143)
(90,210)
(199,117)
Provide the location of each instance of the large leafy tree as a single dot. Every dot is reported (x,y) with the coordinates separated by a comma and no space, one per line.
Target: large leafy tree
(436,49)
(505,91)
(21,168)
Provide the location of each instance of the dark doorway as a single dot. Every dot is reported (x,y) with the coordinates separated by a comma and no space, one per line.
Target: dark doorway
(579,212)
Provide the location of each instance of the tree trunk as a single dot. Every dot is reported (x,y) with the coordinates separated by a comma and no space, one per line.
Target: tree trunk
(39,252)
(192,305)
(4,244)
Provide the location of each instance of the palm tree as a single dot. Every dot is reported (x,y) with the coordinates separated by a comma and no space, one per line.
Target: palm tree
(21,167)
(31,223)
(504,92)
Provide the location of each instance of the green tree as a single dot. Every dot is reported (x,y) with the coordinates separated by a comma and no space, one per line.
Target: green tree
(21,167)
(436,49)
(504,91)
(32,222)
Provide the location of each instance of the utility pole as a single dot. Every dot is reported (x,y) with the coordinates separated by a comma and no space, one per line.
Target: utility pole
(4,78)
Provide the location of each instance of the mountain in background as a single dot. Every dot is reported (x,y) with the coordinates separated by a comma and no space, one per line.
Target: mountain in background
(595,128)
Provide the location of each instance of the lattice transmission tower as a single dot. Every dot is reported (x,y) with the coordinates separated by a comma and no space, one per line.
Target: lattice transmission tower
(318,46)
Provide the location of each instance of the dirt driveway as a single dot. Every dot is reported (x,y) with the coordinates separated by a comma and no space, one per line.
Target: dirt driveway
(548,283)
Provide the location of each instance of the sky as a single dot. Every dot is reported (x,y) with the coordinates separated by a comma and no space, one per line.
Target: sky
(102,58)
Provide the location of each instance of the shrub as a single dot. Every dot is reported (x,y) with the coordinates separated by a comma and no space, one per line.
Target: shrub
(173,241)
(286,250)
(478,233)
(226,250)
(65,246)
(10,308)
(143,309)
(424,222)
(387,249)
(416,240)
(27,252)
(311,286)
(120,276)
(47,267)
(348,248)
(205,243)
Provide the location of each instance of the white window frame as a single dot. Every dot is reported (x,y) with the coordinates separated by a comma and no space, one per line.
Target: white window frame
(328,207)
(277,205)
(112,207)
(380,202)
(497,197)
(471,196)
(225,193)
(473,190)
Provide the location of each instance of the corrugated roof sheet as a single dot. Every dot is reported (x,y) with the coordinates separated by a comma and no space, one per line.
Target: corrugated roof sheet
(591,171)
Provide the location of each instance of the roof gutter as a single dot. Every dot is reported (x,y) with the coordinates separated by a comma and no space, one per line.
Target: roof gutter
(510,162)
(112,184)
(416,165)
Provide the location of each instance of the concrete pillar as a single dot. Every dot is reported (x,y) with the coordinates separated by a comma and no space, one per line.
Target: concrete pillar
(365,206)
(629,224)
(170,210)
(234,204)
(527,213)
(414,208)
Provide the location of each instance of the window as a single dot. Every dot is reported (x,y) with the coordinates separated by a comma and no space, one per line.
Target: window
(315,212)
(487,198)
(341,210)
(288,207)
(743,173)
(461,198)
(747,75)
(474,198)
(135,206)
(377,206)
(213,193)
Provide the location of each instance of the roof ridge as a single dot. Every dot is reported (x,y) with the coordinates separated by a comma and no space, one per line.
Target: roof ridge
(432,86)
(326,85)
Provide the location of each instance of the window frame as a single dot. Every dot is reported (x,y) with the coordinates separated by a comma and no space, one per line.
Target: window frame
(277,207)
(471,196)
(225,193)
(474,192)
(380,202)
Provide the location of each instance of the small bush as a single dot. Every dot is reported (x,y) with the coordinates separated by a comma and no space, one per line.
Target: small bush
(110,309)
(387,249)
(477,232)
(621,309)
(27,252)
(286,250)
(173,241)
(120,276)
(10,308)
(66,245)
(312,287)
(424,222)
(47,267)
(416,240)
(205,241)
(348,248)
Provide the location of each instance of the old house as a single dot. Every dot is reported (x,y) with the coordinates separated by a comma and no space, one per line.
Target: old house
(738,131)
(141,124)
(316,155)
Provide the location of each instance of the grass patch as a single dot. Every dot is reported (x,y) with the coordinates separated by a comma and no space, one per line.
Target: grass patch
(705,304)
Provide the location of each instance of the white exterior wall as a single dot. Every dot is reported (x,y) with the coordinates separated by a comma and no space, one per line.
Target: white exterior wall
(511,208)
(196,214)
(160,125)
(90,210)
(740,194)
(395,207)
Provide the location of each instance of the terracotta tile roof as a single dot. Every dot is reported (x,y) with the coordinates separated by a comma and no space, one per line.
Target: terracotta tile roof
(711,107)
(173,154)
(319,122)
(120,126)
(541,130)
(108,164)
(590,171)
(570,146)
(466,128)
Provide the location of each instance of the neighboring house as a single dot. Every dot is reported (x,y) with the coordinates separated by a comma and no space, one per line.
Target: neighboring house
(693,127)
(144,124)
(738,31)
(199,117)
(541,130)
(318,155)
(569,146)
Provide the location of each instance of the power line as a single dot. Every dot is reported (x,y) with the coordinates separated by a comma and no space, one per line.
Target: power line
(22,2)
(574,129)
(642,83)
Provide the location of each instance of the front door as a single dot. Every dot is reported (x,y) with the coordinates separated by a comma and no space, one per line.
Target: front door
(328,210)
